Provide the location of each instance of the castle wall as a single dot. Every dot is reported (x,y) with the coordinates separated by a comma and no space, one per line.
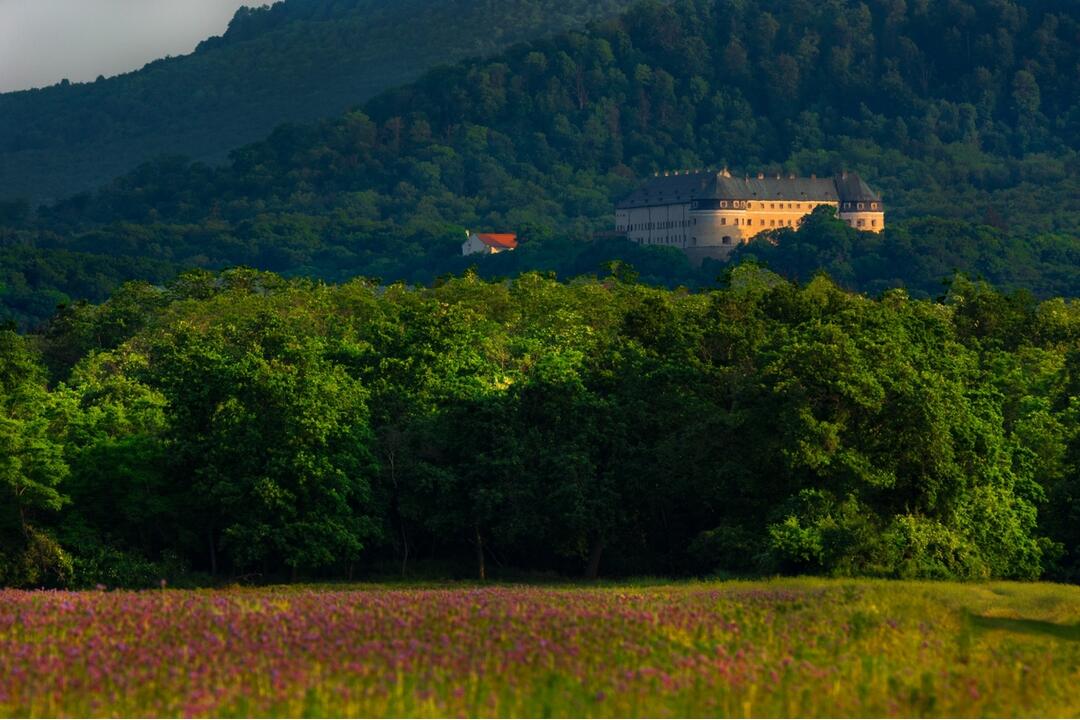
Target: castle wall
(727,227)
(716,228)
(868,221)
(703,214)
(670,225)
(770,215)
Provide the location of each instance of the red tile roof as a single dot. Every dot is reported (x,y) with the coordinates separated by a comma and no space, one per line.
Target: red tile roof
(498,240)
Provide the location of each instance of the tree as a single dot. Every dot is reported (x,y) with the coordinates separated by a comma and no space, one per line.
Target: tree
(32,470)
(271,437)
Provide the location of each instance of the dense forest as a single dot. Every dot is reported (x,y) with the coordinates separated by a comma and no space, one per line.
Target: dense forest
(298,61)
(965,112)
(966,115)
(246,425)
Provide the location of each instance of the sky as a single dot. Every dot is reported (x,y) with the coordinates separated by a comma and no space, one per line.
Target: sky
(45,41)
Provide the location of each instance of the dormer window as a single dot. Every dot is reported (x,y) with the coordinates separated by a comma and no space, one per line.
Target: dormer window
(862,205)
(873,206)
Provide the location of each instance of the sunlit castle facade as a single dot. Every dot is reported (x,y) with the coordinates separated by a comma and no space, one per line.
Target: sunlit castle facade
(708,213)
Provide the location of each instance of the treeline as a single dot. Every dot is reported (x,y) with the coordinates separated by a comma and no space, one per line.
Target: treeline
(918,255)
(244,425)
(297,61)
(959,110)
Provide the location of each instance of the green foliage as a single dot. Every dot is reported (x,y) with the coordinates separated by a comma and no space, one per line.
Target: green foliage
(31,471)
(298,61)
(974,151)
(919,255)
(244,424)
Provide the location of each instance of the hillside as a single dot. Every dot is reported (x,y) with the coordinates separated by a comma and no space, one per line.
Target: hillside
(968,112)
(299,61)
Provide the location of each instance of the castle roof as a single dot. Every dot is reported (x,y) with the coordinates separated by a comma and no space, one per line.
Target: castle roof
(709,185)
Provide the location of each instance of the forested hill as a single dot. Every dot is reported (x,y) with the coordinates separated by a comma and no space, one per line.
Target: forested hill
(299,60)
(964,110)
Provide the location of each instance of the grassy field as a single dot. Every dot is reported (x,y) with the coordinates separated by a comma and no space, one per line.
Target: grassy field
(784,647)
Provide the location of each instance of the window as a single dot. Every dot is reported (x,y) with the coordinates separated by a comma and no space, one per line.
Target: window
(772,223)
(772,206)
(873,206)
(861,223)
(862,205)
(723,203)
(727,240)
(723,221)
(873,223)
(762,222)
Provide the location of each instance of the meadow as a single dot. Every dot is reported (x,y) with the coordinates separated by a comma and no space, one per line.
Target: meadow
(781,647)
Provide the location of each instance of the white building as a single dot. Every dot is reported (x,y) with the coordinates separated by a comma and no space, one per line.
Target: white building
(708,213)
(488,243)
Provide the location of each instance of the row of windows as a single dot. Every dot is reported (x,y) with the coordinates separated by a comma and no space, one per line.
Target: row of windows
(743,204)
(667,225)
(669,240)
(750,221)
(772,206)
(693,241)
(747,222)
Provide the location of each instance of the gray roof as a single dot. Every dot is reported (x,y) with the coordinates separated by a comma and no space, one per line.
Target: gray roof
(709,185)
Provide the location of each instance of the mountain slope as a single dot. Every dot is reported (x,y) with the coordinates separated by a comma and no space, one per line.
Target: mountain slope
(982,129)
(299,60)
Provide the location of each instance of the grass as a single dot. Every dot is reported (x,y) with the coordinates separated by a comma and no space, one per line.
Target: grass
(787,647)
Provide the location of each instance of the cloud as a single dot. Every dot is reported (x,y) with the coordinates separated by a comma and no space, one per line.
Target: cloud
(44,41)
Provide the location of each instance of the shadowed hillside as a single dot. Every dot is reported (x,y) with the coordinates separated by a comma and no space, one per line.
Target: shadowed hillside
(300,60)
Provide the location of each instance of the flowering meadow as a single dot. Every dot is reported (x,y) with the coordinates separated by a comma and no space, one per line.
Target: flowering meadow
(786,647)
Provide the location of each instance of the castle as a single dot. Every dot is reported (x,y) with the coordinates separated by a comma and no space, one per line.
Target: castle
(708,213)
